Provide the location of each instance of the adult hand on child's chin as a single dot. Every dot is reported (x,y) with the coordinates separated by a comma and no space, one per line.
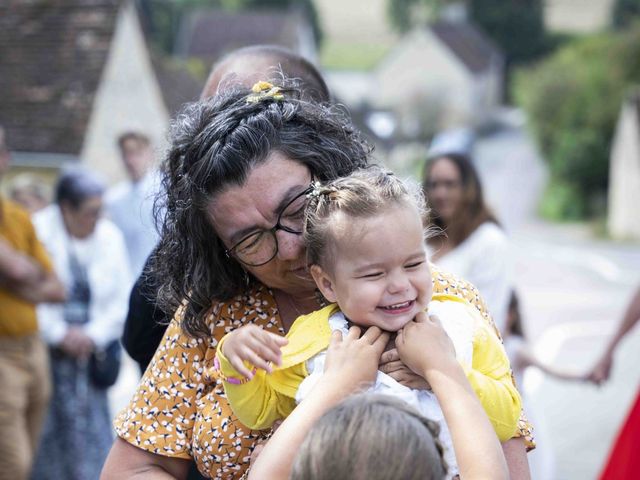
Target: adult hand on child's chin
(352,361)
(391,364)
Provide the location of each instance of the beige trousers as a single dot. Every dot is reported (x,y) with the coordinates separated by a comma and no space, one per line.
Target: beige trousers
(25,387)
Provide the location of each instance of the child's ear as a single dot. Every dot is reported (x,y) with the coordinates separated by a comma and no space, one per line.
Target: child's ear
(323,282)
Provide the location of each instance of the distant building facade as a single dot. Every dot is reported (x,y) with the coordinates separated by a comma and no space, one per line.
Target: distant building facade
(73,79)
(577,16)
(624,176)
(446,75)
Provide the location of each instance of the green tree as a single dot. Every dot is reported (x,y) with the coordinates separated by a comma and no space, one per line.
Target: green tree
(162,17)
(625,12)
(405,14)
(517,26)
(572,100)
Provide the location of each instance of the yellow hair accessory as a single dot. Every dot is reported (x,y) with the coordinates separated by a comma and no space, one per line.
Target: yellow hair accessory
(263,90)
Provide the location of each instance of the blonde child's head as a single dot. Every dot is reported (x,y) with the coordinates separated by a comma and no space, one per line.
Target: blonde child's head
(371,436)
(365,244)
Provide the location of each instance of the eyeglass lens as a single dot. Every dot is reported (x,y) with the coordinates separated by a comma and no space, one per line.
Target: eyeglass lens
(262,246)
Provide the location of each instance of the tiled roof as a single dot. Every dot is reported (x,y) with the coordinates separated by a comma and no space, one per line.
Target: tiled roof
(468,43)
(211,33)
(52,54)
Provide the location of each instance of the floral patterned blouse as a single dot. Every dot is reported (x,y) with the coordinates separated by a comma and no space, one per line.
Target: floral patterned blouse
(180,410)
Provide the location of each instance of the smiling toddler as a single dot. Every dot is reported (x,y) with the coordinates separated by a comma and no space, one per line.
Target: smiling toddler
(365,240)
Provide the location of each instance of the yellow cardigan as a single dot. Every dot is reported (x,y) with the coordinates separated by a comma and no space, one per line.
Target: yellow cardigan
(258,403)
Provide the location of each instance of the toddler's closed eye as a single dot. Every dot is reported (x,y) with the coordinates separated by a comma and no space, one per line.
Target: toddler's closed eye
(372,275)
(415,264)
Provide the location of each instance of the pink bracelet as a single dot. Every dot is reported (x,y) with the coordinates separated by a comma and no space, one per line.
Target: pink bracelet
(231,380)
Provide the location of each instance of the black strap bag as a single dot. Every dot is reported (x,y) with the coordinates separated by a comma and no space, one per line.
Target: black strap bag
(104,365)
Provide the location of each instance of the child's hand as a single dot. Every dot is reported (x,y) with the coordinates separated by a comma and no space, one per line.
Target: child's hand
(425,347)
(602,370)
(391,364)
(253,344)
(353,360)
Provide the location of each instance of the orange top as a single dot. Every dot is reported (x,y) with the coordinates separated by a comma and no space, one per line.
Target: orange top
(18,317)
(180,410)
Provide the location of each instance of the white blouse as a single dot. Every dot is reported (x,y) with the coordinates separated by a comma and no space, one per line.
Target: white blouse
(105,256)
(485,260)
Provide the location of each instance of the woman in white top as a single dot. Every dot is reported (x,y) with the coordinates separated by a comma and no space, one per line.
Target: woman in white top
(89,256)
(469,242)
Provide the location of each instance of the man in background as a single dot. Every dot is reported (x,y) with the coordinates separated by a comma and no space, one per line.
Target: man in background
(26,279)
(130,203)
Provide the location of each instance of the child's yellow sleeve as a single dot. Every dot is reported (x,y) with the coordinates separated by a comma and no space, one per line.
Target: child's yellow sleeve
(490,378)
(257,402)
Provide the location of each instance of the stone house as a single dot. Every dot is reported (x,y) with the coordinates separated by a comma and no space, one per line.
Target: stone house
(445,75)
(73,78)
(624,172)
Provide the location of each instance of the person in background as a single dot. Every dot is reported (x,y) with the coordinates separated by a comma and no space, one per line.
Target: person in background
(248,65)
(469,242)
(602,369)
(130,203)
(623,460)
(26,279)
(89,255)
(29,191)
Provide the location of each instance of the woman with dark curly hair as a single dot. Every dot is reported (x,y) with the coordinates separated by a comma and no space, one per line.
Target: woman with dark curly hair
(236,177)
(232,155)
(231,254)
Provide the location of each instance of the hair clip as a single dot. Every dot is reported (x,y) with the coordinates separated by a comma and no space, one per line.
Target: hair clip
(316,190)
(262,90)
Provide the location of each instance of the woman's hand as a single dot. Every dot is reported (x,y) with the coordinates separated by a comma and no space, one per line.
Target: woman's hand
(425,347)
(602,370)
(255,345)
(391,364)
(76,343)
(353,360)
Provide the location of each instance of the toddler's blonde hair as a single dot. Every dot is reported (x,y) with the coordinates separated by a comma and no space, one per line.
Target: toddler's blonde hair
(363,194)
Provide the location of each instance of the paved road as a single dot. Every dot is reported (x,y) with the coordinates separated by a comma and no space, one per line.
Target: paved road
(574,289)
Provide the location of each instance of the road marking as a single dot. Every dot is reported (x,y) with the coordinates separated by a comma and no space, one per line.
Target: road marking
(548,345)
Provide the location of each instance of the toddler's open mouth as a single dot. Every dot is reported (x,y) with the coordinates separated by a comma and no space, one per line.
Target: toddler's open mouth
(398,307)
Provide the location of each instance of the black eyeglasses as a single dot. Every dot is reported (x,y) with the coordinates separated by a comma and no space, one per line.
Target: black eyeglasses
(259,248)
